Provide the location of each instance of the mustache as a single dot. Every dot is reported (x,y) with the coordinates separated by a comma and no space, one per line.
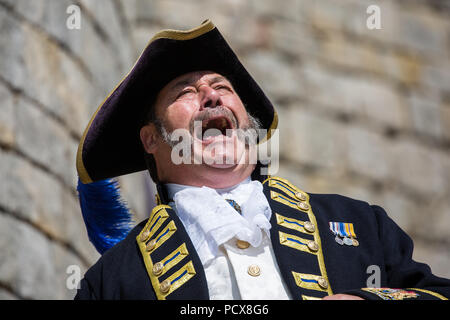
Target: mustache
(210,113)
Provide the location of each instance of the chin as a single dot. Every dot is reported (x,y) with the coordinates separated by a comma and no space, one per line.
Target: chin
(222,165)
(220,159)
(225,175)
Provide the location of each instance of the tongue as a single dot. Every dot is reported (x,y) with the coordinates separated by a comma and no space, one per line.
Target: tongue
(211,132)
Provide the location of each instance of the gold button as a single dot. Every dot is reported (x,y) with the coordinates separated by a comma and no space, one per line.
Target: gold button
(322,283)
(144,235)
(254,270)
(300,196)
(309,226)
(241,244)
(158,268)
(312,245)
(164,287)
(150,245)
(303,206)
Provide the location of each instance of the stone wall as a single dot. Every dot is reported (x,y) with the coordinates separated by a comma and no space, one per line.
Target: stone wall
(364,113)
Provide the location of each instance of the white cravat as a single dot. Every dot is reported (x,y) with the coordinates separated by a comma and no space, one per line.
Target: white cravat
(214,225)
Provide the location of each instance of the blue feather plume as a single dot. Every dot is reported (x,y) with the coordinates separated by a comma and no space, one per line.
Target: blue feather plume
(106,215)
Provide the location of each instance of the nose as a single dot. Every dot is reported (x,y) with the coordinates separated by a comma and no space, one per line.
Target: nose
(210,98)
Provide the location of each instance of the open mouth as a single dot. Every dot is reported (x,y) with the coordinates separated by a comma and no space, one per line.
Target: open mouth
(217,126)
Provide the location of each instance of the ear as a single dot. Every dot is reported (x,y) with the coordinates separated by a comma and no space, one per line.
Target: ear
(148,134)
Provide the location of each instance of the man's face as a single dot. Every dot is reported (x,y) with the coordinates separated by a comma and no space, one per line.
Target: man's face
(205,105)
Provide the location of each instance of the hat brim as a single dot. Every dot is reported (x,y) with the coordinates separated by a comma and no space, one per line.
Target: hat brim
(110,145)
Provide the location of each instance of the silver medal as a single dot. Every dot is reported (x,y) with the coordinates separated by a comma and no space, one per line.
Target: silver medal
(339,240)
(348,241)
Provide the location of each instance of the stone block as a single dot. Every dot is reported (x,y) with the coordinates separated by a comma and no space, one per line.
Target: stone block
(437,76)
(326,16)
(130,10)
(326,88)
(369,99)
(86,44)
(336,91)
(35,267)
(45,73)
(107,16)
(307,138)
(418,167)
(36,197)
(369,154)
(422,31)
(12,42)
(45,141)
(351,53)
(289,10)
(176,14)
(403,67)
(425,115)
(7,118)
(382,104)
(142,10)
(445,121)
(277,77)
(13,194)
(293,39)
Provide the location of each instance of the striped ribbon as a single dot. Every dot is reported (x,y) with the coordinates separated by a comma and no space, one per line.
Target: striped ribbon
(343,229)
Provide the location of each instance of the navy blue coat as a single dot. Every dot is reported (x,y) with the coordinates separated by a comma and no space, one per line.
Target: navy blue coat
(312,263)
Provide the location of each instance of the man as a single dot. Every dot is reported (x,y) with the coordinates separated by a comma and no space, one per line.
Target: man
(221,229)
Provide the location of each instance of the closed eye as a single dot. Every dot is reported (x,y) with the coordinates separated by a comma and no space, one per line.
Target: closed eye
(185,92)
(219,87)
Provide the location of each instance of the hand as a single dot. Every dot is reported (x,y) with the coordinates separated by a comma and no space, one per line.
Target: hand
(342,297)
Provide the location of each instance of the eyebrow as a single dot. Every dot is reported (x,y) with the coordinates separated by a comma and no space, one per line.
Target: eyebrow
(181,83)
(218,79)
(190,80)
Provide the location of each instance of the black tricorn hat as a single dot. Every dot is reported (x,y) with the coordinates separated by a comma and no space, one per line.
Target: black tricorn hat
(111,146)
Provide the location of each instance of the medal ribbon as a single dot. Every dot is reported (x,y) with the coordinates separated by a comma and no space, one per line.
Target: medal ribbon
(342,229)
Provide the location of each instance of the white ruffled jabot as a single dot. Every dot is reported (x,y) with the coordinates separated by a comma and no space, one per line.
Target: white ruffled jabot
(211,221)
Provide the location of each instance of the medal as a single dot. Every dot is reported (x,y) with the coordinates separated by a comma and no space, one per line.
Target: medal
(344,233)
(348,241)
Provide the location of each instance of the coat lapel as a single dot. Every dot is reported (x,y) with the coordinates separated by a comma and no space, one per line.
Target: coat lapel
(296,240)
(172,264)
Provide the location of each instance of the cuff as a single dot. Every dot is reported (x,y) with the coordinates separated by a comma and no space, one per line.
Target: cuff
(395,294)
